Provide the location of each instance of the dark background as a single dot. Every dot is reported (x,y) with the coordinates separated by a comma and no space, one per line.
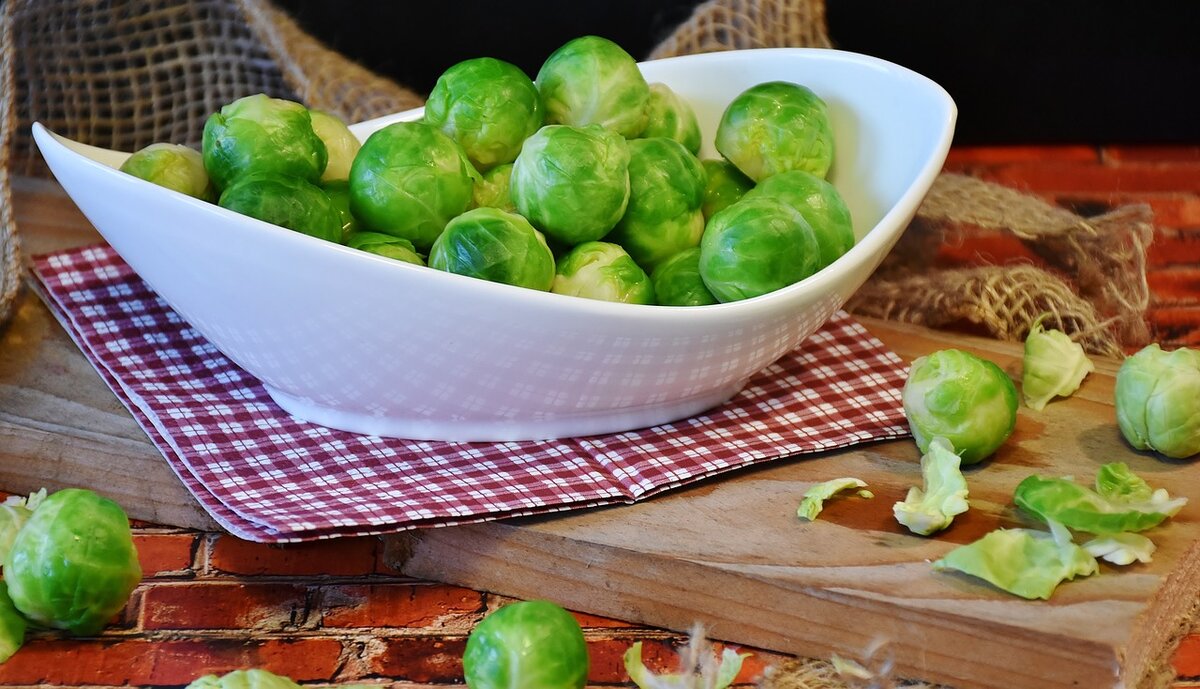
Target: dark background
(1021,71)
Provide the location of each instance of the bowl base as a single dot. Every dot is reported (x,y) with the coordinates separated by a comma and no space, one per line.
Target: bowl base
(503,430)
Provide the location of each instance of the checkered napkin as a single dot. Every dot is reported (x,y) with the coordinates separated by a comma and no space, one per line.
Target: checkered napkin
(268,476)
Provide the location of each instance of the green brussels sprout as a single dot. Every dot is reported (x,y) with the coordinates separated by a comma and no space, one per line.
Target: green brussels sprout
(488,106)
(385,245)
(493,190)
(1053,366)
(572,182)
(73,564)
(12,625)
(677,281)
(821,205)
(774,127)
(174,167)
(671,116)
(663,216)
(756,246)
(338,192)
(243,679)
(604,271)
(724,186)
(285,201)
(1158,401)
(491,244)
(340,144)
(408,180)
(262,135)
(591,80)
(529,644)
(968,400)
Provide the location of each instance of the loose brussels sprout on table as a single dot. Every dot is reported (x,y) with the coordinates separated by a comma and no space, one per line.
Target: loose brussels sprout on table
(666,188)
(340,144)
(1158,401)
(488,106)
(670,116)
(408,180)
(774,127)
(968,400)
(385,245)
(591,80)
(572,182)
(677,281)
(820,204)
(604,271)
(756,246)
(174,167)
(724,185)
(496,245)
(259,134)
(288,202)
(529,644)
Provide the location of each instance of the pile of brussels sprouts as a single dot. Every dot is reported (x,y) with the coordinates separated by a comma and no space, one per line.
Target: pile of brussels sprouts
(69,563)
(584,181)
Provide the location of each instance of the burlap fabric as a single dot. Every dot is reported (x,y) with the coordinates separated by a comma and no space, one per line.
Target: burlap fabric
(123,75)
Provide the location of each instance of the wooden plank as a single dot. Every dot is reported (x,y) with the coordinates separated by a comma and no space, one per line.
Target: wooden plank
(731,553)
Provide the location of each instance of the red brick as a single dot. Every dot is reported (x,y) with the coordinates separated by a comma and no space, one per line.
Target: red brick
(1152,153)
(1175,285)
(1175,326)
(116,662)
(1187,657)
(423,659)
(221,605)
(164,554)
(1170,209)
(597,622)
(1111,179)
(399,605)
(340,556)
(1174,247)
(973,155)
(994,248)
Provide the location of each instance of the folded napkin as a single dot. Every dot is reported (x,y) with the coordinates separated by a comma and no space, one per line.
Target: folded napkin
(268,476)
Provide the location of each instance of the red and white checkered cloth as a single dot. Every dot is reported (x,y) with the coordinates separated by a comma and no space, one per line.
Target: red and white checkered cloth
(268,476)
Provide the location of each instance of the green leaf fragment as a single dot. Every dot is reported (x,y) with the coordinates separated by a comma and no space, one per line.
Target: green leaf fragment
(814,498)
(1122,548)
(1122,501)
(1024,562)
(14,512)
(727,670)
(1053,366)
(12,625)
(932,508)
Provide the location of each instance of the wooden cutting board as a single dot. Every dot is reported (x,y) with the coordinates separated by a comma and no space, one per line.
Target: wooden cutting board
(729,552)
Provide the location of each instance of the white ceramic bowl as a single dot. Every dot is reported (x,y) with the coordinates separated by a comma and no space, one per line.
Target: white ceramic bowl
(355,341)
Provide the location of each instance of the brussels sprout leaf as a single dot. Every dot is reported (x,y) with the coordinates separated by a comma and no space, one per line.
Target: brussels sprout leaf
(14,512)
(1024,562)
(1121,548)
(12,625)
(1053,366)
(243,679)
(931,509)
(1121,506)
(815,497)
(727,669)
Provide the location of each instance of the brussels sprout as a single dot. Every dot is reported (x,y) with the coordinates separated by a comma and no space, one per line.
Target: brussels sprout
(814,498)
(73,564)
(572,182)
(1107,510)
(727,669)
(1121,548)
(530,644)
(493,189)
(174,167)
(338,192)
(944,495)
(591,80)
(602,270)
(244,679)
(14,512)
(285,201)
(1158,401)
(1024,562)
(340,144)
(385,245)
(262,135)
(408,180)
(677,281)
(488,106)
(666,188)
(724,186)
(496,245)
(774,127)
(968,400)
(12,625)
(1053,366)
(821,205)
(754,247)
(671,116)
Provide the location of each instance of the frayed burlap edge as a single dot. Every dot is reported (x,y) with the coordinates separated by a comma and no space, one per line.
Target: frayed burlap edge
(10,243)
(740,24)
